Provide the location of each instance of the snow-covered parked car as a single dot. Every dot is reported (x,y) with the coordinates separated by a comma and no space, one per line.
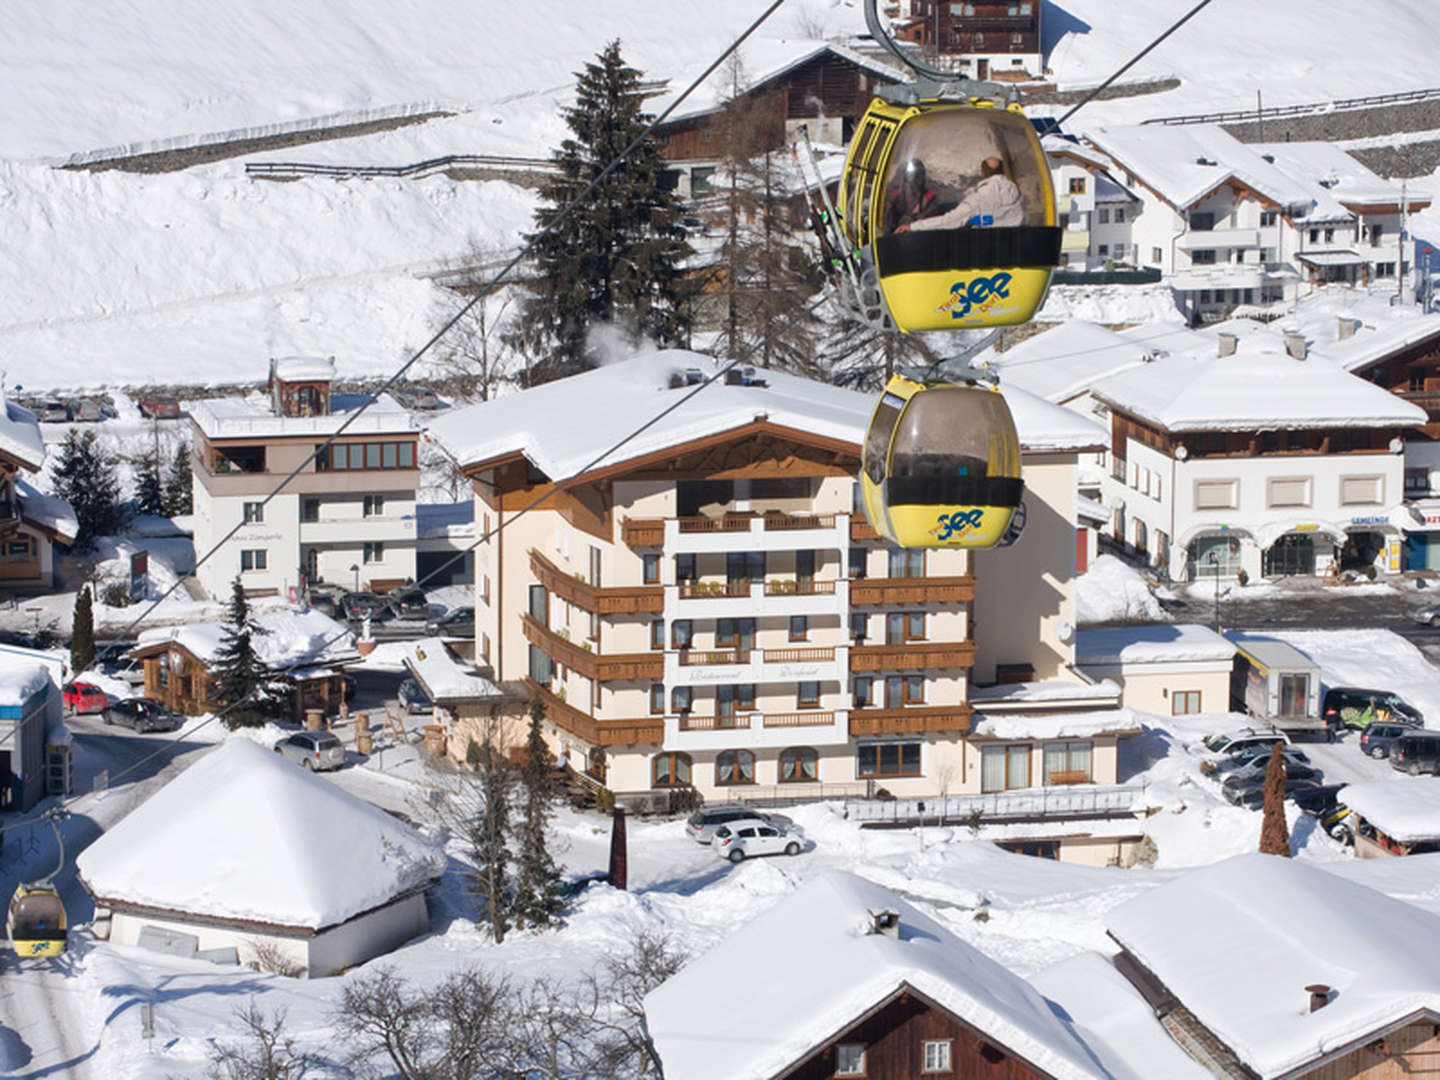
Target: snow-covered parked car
(140,714)
(316,750)
(748,837)
(1230,743)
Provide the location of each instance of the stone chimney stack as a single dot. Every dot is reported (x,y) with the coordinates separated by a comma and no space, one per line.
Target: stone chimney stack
(1319,996)
(1346,327)
(1228,344)
(885,922)
(1295,344)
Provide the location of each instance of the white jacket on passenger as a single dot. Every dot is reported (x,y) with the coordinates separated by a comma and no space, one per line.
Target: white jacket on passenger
(994,201)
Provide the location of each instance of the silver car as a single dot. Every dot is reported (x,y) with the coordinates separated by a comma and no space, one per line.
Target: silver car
(703,823)
(316,750)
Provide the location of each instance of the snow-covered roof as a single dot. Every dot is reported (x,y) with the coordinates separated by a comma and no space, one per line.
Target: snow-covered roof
(563,426)
(49,512)
(1269,649)
(1239,941)
(303,368)
(1067,360)
(245,834)
(20,436)
(1405,808)
(442,676)
(1182,163)
(290,639)
(238,418)
(1151,645)
(1340,176)
(823,970)
(1055,690)
(1201,391)
(439,520)
(1067,725)
(21,678)
(1114,1020)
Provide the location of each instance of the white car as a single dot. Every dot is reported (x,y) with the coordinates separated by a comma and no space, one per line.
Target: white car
(748,837)
(1230,743)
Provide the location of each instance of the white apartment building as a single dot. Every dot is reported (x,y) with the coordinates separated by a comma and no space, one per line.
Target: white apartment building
(1096,211)
(347,518)
(706,608)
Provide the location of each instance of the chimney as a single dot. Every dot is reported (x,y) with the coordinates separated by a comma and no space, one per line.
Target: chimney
(1228,343)
(885,922)
(619,856)
(1347,327)
(1319,996)
(1295,344)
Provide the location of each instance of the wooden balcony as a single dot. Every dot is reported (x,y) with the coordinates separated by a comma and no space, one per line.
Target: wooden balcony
(913,590)
(916,720)
(623,600)
(607,668)
(646,731)
(699,590)
(919,655)
(807,655)
(740,721)
(785,587)
(812,718)
(713,657)
(861,529)
(643,532)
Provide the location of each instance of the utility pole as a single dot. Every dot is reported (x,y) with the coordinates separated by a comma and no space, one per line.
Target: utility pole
(1400,263)
(1260,115)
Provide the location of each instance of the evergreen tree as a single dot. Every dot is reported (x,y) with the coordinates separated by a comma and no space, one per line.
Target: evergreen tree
(149,487)
(613,259)
(1274,834)
(178,479)
(537,878)
(238,672)
(82,634)
(86,479)
(488,832)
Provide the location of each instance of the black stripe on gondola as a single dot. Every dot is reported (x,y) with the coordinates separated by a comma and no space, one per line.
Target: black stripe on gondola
(954,491)
(997,247)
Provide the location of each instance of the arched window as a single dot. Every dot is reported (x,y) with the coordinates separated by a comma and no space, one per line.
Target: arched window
(799,764)
(670,770)
(734,767)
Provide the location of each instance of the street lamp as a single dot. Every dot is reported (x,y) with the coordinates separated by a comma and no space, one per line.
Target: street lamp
(1214,560)
(355,569)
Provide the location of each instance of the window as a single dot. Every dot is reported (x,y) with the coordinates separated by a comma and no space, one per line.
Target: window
(906,562)
(808,695)
(657,698)
(1202,221)
(657,634)
(1329,236)
(1416,384)
(745,566)
(799,764)
(1282,492)
(1016,40)
(734,767)
(309,509)
(1203,257)
(1184,702)
(539,604)
(804,566)
(253,559)
(888,759)
(730,698)
(684,568)
(254,512)
(1417,481)
(240,459)
(1216,494)
(485,589)
(594,631)
(1376,232)
(1267,218)
(357,456)
(1119,215)
(857,562)
(1068,763)
(799,628)
(670,770)
(935,1055)
(374,506)
(485,647)
(978,40)
(1204,296)
(1314,236)
(1004,767)
(1102,216)
(700,180)
(681,633)
(682,700)
(594,565)
(850,1060)
(1362,490)
(860,624)
(651,567)
(1103,250)
(1156,255)
(864,691)
(902,626)
(1077,185)
(1384,269)
(373,551)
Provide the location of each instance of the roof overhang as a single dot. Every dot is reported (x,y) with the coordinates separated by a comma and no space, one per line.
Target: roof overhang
(1329,258)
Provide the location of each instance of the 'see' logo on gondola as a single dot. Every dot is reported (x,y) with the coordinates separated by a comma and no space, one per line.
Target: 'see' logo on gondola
(977,294)
(957,524)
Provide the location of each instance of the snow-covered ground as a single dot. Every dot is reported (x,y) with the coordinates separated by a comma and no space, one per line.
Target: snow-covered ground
(1112,590)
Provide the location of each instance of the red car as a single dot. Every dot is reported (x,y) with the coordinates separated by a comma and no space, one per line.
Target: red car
(158,406)
(83,697)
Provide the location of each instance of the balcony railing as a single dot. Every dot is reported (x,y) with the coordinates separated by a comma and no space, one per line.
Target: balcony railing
(624,600)
(737,722)
(782,522)
(914,720)
(724,523)
(695,590)
(799,719)
(636,732)
(1091,802)
(799,588)
(920,655)
(612,668)
(799,656)
(713,657)
(861,529)
(643,532)
(916,590)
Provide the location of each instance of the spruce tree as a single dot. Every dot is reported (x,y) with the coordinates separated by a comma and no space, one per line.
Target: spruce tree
(82,633)
(178,479)
(613,259)
(537,878)
(238,673)
(1274,834)
(87,480)
(149,487)
(488,834)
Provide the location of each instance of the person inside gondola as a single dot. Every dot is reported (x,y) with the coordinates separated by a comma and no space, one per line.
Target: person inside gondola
(912,199)
(994,201)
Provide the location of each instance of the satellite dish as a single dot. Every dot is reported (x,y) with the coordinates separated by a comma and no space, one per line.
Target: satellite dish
(1396,445)
(1181,453)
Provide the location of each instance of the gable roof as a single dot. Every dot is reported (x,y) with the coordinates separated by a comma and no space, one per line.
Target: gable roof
(245,834)
(290,639)
(1067,360)
(20,437)
(1245,979)
(833,973)
(564,426)
(1404,808)
(1341,177)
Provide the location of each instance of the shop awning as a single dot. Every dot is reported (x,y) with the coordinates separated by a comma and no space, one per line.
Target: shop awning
(1329,258)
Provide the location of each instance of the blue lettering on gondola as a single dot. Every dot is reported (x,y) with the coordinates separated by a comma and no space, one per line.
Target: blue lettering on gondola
(958,523)
(976,293)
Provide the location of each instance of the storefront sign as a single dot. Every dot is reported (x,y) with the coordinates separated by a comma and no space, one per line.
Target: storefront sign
(1306,528)
(1373,519)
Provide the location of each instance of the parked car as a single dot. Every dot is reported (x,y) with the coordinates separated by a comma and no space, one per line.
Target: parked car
(1246,754)
(141,714)
(1255,770)
(408,602)
(316,750)
(418,397)
(158,406)
(1375,740)
(357,605)
(457,622)
(85,411)
(1428,615)
(751,836)
(52,412)
(1252,795)
(1352,707)
(413,698)
(1416,752)
(703,823)
(83,697)
(693,226)
(325,602)
(1323,804)
(1233,742)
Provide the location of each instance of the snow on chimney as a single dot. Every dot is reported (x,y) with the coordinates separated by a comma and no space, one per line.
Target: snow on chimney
(1295,344)
(1319,996)
(885,922)
(1346,327)
(1228,344)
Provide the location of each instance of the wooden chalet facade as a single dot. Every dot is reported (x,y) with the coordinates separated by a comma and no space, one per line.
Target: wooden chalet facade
(1412,373)
(987,40)
(183,683)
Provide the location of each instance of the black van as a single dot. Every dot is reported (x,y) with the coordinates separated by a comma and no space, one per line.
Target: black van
(1416,753)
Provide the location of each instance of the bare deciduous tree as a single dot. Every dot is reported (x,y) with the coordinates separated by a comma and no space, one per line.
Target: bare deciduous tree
(265,1052)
